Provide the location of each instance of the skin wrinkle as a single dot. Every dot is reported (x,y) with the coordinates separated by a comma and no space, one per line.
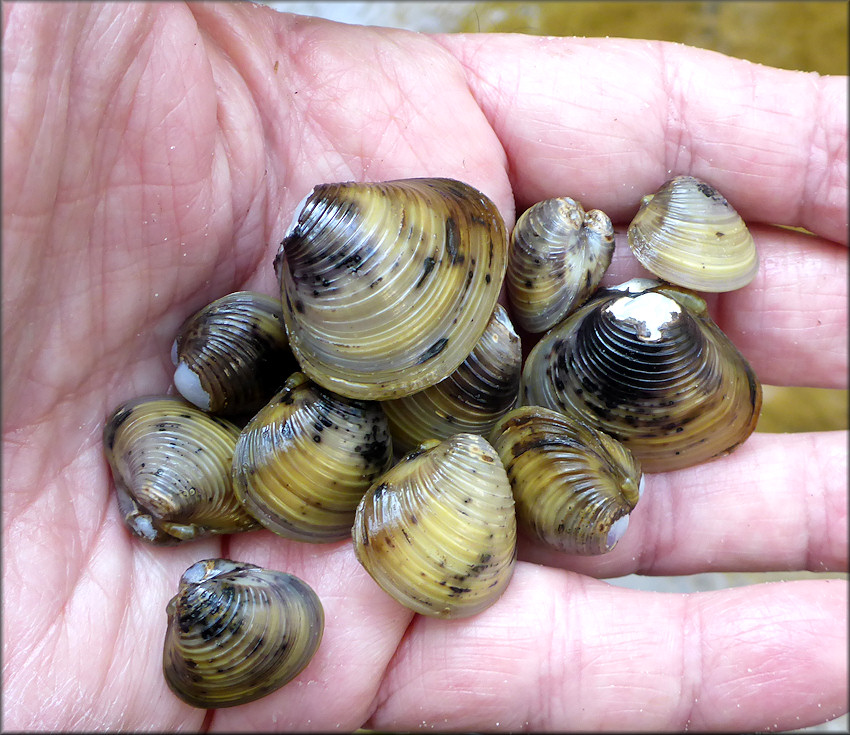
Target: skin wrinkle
(692,641)
(674,133)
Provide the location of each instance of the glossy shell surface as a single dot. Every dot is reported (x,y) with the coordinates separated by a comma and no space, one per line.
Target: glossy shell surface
(687,233)
(387,287)
(233,355)
(470,400)
(574,486)
(237,632)
(438,531)
(557,255)
(171,467)
(647,365)
(303,463)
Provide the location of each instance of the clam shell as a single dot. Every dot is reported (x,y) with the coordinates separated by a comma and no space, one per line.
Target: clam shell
(470,400)
(233,355)
(171,467)
(649,367)
(438,531)
(688,234)
(574,486)
(387,287)
(303,463)
(557,255)
(237,632)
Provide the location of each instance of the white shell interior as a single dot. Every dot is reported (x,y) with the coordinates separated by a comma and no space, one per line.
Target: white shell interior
(297,213)
(615,533)
(649,312)
(189,385)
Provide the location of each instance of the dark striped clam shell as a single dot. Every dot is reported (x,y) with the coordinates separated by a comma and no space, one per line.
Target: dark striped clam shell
(386,287)
(557,255)
(237,632)
(233,355)
(171,467)
(303,463)
(574,486)
(647,365)
(470,400)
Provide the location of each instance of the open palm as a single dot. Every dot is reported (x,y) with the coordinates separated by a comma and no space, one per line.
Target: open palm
(152,159)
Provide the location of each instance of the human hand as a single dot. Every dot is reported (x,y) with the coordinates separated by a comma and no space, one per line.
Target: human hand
(153,155)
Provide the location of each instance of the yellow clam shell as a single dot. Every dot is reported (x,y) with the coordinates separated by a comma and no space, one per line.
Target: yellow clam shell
(386,287)
(303,463)
(688,234)
(645,363)
(438,531)
(171,467)
(574,486)
(237,632)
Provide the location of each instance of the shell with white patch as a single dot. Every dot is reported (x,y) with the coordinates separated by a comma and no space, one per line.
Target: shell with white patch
(645,363)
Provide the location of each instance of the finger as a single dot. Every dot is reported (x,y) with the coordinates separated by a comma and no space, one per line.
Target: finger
(790,322)
(560,651)
(608,120)
(363,626)
(778,502)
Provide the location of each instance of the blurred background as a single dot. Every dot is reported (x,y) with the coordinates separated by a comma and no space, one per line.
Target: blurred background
(804,36)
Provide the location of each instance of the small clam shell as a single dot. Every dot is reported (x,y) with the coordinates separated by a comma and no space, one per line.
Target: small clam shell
(557,255)
(687,233)
(387,287)
(233,355)
(171,467)
(470,400)
(648,366)
(304,461)
(438,531)
(574,486)
(237,632)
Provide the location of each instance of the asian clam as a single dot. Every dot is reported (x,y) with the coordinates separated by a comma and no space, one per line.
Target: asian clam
(386,341)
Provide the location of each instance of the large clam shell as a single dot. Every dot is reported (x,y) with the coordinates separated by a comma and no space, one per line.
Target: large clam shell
(233,355)
(304,461)
(387,287)
(438,531)
(557,255)
(470,400)
(237,632)
(645,363)
(574,486)
(171,467)
(687,233)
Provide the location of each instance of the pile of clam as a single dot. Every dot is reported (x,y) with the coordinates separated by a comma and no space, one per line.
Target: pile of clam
(382,398)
